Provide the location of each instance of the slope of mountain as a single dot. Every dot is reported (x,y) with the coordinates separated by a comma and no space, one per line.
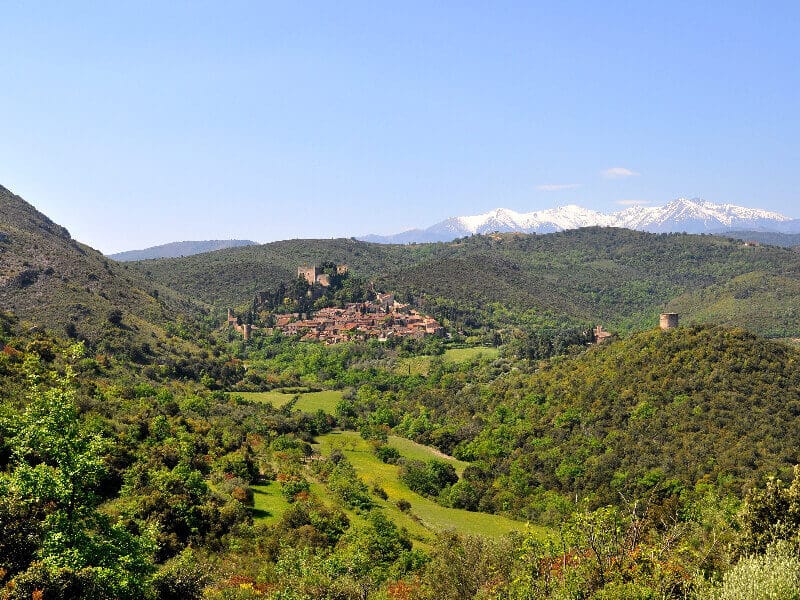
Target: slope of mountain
(230,277)
(786,240)
(619,277)
(658,407)
(681,215)
(176,249)
(52,281)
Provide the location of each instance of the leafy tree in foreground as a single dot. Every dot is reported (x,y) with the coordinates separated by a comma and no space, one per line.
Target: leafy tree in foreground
(52,536)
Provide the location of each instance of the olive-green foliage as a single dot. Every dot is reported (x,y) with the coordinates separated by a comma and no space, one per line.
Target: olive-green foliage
(57,283)
(428,479)
(309,522)
(181,578)
(387,454)
(346,485)
(774,575)
(293,486)
(771,514)
(461,567)
(787,240)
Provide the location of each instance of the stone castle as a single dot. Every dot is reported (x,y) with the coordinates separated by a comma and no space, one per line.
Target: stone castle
(314,274)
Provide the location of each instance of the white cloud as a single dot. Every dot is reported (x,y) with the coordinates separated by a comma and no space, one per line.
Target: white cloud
(634,202)
(557,187)
(618,173)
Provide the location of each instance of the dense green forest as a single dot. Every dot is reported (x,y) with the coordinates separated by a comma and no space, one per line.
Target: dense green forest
(148,451)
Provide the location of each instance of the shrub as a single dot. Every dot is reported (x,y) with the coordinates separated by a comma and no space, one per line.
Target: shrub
(774,575)
(428,478)
(387,454)
(115,317)
(379,492)
(291,487)
(344,482)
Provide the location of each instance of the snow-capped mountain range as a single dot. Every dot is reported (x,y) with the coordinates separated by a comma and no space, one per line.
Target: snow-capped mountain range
(681,215)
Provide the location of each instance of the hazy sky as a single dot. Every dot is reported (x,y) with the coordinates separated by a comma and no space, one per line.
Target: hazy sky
(142,123)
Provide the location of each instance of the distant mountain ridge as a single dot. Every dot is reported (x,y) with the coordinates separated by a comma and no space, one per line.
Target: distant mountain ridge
(681,215)
(178,249)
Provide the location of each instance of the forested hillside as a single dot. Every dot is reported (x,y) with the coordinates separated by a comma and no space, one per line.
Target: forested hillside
(787,240)
(669,410)
(618,277)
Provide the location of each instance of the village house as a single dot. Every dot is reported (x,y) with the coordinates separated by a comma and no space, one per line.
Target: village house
(358,320)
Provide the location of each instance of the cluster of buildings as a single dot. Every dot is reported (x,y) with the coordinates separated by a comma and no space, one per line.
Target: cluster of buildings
(382,319)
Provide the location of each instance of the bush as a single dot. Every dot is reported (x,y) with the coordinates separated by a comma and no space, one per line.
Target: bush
(344,482)
(379,492)
(387,454)
(290,488)
(115,317)
(428,478)
(774,575)
(181,578)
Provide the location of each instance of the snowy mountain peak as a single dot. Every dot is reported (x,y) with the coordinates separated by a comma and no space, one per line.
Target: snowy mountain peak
(692,215)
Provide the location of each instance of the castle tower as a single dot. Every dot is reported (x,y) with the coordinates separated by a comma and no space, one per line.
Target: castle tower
(668,321)
(308,273)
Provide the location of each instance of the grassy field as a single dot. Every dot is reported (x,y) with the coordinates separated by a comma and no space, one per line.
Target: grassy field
(425,515)
(413,450)
(420,365)
(269,503)
(309,402)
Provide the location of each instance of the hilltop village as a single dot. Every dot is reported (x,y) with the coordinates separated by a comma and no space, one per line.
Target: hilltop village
(381,318)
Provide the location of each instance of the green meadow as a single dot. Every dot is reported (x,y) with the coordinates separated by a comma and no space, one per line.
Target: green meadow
(420,365)
(268,502)
(309,402)
(425,516)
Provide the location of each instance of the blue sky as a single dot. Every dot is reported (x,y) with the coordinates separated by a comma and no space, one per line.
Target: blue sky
(134,124)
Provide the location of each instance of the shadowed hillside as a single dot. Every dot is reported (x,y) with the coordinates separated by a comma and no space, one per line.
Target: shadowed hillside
(54,282)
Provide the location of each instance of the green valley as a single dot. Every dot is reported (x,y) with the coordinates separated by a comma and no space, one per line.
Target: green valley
(149,449)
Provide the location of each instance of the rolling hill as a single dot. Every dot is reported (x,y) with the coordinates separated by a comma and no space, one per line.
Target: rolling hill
(176,249)
(786,240)
(703,404)
(619,277)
